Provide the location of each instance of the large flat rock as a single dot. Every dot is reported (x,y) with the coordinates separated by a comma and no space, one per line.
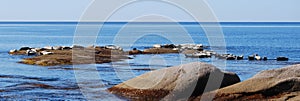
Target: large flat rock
(277,84)
(179,82)
(78,55)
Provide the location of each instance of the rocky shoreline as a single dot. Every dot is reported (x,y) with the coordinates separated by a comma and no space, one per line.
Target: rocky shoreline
(176,83)
(173,83)
(62,55)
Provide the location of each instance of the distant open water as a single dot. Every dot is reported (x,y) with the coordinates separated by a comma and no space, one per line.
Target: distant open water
(19,81)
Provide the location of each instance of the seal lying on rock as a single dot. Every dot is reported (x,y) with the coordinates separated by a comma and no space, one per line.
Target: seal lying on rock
(57,48)
(45,53)
(191,46)
(179,82)
(65,48)
(24,48)
(31,52)
(48,48)
(12,51)
(135,51)
(278,84)
(113,47)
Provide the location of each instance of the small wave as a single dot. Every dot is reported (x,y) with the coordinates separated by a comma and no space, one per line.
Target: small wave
(35,85)
(143,69)
(29,78)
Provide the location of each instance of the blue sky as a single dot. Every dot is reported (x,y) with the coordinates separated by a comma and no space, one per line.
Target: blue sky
(225,10)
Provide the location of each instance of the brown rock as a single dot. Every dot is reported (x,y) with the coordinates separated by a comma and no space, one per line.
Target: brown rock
(173,83)
(159,51)
(189,51)
(133,52)
(80,56)
(278,84)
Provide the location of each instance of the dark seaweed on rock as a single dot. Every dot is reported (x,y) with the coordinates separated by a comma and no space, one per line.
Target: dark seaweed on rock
(149,95)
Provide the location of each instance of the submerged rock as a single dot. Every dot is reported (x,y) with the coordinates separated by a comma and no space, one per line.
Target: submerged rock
(174,83)
(278,84)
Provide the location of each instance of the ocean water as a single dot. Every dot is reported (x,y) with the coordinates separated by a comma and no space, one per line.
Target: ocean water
(19,81)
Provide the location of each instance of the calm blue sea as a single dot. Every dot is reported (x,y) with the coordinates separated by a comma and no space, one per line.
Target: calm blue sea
(19,81)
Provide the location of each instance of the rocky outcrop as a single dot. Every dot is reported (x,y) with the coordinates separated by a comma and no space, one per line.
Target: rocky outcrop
(67,56)
(172,83)
(278,84)
(160,51)
(169,48)
(134,52)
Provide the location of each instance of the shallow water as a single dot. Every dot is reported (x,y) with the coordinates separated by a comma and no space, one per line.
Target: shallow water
(19,81)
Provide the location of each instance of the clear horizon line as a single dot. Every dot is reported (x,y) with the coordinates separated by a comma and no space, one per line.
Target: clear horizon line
(69,21)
